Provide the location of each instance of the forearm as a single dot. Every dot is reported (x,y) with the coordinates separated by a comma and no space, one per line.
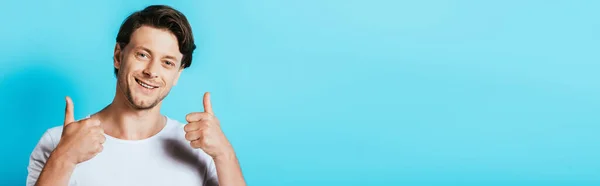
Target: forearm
(56,172)
(229,171)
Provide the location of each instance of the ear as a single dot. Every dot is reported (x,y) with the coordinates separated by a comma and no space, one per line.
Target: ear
(177,76)
(117,56)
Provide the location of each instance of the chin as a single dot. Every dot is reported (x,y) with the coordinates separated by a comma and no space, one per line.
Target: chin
(143,105)
(141,99)
(141,102)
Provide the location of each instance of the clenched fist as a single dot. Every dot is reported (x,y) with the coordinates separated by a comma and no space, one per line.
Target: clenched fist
(204,131)
(80,140)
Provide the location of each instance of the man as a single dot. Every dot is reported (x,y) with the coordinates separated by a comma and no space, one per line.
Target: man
(129,142)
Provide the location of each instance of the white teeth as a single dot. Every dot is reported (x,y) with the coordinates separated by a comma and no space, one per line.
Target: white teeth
(145,85)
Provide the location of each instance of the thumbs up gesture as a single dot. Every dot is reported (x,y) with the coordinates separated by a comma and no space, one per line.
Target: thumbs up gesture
(204,131)
(80,140)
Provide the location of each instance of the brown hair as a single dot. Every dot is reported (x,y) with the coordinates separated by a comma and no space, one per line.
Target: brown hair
(161,17)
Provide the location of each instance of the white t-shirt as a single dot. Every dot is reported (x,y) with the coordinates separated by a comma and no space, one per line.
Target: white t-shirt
(163,159)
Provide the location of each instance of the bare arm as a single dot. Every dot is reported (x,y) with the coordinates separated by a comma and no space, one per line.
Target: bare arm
(229,171)
(79,142)
(55,172)
(204,131)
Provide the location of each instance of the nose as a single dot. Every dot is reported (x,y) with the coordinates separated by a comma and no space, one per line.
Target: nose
(152,69)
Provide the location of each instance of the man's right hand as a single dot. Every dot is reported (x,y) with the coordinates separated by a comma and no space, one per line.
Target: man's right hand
(80,140)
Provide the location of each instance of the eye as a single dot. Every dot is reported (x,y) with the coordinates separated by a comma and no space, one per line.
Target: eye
(142,55)
(169,63)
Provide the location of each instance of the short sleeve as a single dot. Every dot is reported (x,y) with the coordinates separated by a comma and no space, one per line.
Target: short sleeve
(38,157)
(211,174)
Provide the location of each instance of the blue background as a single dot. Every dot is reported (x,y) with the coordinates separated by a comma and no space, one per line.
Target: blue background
(324,92)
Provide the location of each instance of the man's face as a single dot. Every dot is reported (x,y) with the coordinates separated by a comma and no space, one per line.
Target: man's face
(149,65)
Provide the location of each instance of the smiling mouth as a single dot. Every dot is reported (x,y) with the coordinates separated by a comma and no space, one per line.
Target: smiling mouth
(145,85)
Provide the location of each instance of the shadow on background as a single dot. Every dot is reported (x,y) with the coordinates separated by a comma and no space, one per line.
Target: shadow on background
(32,100)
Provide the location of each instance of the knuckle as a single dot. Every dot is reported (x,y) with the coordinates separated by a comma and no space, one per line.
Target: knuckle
(189,116)
(101,138)
(188,136)
(87,123)
(211,116)
(188,127)
(192,135)
(95,130)
(199,143)
(208,116)
(99,148)
(194,144)
(206,132)
(203,124)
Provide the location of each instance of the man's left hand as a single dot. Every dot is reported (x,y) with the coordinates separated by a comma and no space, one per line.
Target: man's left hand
(204,131)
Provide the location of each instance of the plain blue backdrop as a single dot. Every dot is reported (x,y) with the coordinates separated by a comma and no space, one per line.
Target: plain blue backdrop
(339,92)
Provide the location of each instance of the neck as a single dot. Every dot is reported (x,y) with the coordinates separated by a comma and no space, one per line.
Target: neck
(120,120)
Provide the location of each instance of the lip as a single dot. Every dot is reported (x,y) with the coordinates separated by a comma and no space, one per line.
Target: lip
(147,83)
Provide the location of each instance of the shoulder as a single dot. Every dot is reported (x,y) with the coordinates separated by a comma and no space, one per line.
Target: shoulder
(51,137)
(41,152)
(55,132)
